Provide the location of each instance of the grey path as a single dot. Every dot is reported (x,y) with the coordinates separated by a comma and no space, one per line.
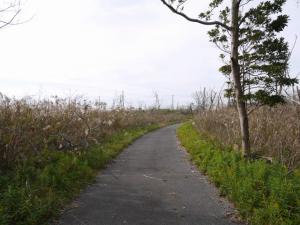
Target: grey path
(151,182)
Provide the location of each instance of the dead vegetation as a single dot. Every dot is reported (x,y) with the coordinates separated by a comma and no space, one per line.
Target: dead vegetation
(275,131)
(28,126)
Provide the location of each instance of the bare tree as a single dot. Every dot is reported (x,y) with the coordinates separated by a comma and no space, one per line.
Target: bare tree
(207,99)
(9,12)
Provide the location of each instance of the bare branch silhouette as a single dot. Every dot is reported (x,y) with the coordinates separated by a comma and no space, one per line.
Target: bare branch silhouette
(9,14)
(174,10)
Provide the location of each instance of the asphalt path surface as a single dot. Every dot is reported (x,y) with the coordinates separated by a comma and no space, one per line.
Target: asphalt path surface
(151,182)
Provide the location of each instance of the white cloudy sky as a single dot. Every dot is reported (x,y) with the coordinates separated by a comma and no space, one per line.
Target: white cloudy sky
(101,47)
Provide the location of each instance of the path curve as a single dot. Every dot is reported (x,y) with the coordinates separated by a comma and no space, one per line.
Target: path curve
(151,182)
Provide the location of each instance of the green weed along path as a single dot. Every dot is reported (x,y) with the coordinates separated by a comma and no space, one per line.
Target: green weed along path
(265,194)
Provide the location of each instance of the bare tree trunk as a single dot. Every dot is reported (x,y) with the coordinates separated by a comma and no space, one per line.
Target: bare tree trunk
(241,105)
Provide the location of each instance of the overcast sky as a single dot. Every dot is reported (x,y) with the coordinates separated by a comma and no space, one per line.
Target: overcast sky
(103,47)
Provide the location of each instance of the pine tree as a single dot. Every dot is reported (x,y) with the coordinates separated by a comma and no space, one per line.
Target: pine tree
(256,59)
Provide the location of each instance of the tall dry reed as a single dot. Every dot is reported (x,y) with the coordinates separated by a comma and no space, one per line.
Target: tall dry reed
(275,132)
(28,126)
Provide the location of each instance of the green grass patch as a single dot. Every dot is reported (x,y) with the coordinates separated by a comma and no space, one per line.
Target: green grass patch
(38,189)
(264,194)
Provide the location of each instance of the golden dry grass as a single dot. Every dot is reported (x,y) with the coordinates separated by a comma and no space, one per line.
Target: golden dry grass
(28,126)
(275,132)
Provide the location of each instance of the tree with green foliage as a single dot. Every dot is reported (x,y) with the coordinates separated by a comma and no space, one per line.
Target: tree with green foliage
(255,57)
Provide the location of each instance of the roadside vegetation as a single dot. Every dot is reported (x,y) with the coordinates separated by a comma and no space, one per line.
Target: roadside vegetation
(264,193)
(275,132)
(51,149)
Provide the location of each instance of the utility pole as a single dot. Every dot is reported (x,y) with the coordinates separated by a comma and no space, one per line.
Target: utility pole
(122,100)
(172,107)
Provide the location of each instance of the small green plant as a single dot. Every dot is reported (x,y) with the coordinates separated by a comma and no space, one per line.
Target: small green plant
(264,194)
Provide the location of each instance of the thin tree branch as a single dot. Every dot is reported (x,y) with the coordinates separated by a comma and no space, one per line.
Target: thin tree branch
(195,20)
(255,107)
(7,8)
(243,19)
(245,3)
(223,49)
(5,23)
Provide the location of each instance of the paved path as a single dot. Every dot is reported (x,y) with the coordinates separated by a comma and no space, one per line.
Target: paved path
(150,183)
